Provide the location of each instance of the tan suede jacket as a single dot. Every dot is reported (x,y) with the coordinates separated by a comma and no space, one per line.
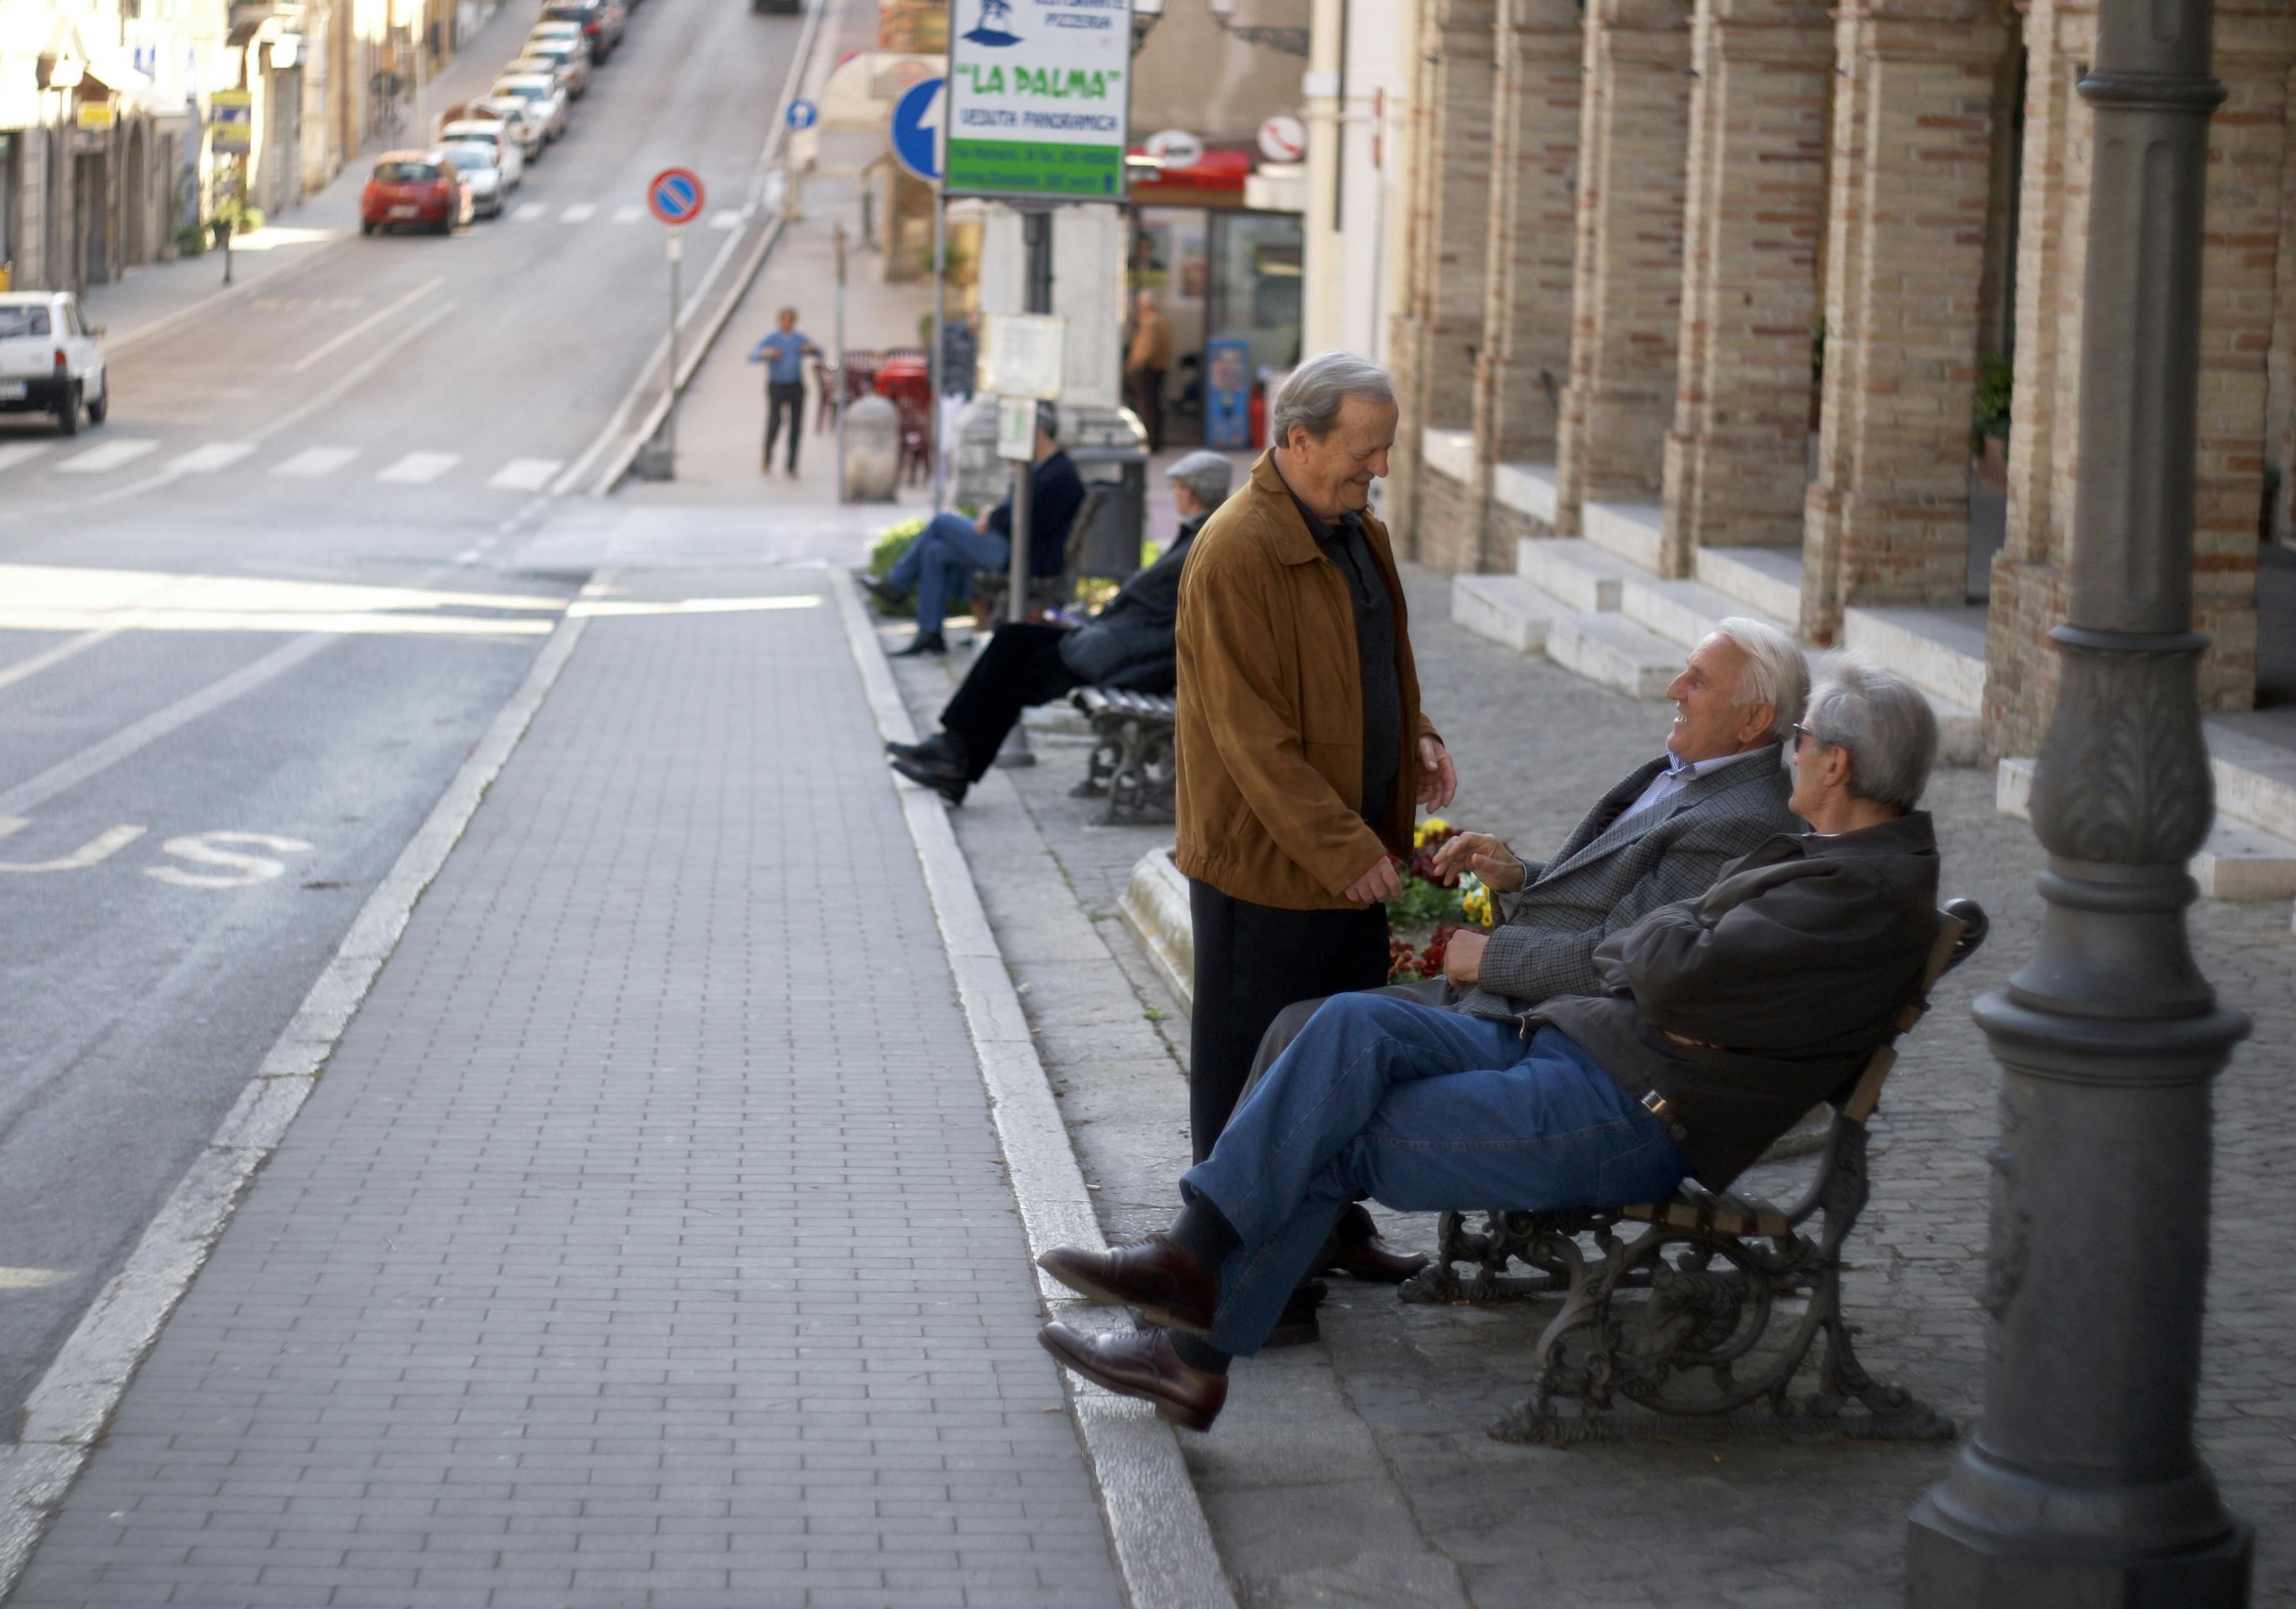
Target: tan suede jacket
(1270,731)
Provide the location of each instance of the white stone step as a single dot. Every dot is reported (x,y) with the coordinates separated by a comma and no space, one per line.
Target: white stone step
(2256,780)
(1527,488)
(1941,649)
(1767,579)
(1506,608)
(2240,861)
(1628,529)
(1614,651)
(1686,612)
(1453,451)
(1581,575)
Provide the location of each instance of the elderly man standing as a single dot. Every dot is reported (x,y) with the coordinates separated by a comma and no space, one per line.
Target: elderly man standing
(1302,754)
(1144,365)
(1715,1022)
(1129,643)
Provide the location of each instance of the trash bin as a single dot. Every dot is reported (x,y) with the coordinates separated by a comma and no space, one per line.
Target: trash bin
(873,450)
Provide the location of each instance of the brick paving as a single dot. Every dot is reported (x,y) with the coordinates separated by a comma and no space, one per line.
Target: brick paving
(646,1241)
(1358,1471)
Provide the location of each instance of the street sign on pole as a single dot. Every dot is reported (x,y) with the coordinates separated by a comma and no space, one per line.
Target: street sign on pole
(231,122)
(1282,139)
(801,115)
(917,127)
(1038,92)
(1176,148)
(676,195)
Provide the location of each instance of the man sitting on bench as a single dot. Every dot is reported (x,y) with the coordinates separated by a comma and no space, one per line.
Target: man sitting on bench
(1724,1018)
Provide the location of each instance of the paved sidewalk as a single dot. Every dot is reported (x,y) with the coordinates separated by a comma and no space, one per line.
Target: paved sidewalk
(645,1241)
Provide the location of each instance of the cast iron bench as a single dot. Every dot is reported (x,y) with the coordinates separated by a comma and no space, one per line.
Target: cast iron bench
(1733,1294)
(1132,758)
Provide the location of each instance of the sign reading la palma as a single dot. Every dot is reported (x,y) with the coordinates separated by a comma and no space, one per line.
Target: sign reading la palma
(1038,96)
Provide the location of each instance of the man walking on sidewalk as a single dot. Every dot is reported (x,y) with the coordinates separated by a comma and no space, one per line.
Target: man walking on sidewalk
(1302,754)
(1150,354)
(784,352)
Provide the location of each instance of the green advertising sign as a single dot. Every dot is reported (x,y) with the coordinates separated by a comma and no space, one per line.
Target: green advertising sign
(1038,92)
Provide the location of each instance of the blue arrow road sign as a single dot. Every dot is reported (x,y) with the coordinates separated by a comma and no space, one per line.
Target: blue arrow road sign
(917,118)
(674,194)
(801,115)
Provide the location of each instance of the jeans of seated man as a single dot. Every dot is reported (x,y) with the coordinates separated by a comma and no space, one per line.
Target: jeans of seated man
(939,566)
(1425,1111)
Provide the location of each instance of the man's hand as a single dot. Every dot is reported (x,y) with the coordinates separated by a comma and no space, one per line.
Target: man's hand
(1438,781)
(1377,885)
(1488,857)
(1463,959)
(980,523)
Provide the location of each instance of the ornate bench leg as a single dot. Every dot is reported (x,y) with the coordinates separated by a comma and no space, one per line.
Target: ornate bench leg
(1892,1413)
(1140,787)
(1107,749)
(1574,1356)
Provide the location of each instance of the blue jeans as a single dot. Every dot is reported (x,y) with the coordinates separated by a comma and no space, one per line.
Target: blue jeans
(1422,1110)
(939,564)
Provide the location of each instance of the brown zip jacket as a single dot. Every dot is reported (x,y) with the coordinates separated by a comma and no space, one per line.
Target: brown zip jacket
(1270,730)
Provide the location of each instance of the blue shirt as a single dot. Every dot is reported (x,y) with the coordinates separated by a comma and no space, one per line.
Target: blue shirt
(783,354)
(1678,774)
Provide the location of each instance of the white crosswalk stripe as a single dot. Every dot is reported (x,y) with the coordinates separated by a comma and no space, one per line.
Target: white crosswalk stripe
(525,475)
(529,212)
(109,456)
(727,220)
(419,469)
(579,213)
(17,453)
(216,455)
(315,463)
(629,215)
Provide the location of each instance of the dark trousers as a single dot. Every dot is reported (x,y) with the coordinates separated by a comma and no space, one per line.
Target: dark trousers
(785,397)
(1148,403)
(1020,666)
(1251,961)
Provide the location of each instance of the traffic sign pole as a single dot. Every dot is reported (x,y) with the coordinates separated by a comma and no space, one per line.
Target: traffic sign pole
(675,197)
(669,381)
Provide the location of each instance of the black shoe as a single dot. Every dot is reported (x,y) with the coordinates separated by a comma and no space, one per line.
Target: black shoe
(1296,1325)
(923,643)
(884,593)
(935,750)
(944,780)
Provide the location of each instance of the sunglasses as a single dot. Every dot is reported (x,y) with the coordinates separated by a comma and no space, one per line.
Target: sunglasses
(1802,732)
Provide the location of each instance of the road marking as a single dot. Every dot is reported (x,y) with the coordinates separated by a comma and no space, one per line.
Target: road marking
(102,847)
(529,212)
(16,453)
(216,455)
(101,757)
(24,669)
(366,324)
(109,456)
(202,848)
(314,463)
(32,1279)
(524,474)
(418,468)
(629,215)
(727,220)
(581,212)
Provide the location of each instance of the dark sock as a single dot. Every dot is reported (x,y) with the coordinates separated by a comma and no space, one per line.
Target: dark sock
(1200,1231)
(1197,1353)
(1356,1224)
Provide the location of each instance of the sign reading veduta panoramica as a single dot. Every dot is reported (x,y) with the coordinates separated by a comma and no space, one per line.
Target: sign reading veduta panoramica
(1037,91)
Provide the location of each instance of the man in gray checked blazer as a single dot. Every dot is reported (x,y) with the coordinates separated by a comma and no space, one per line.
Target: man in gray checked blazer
(1660,836)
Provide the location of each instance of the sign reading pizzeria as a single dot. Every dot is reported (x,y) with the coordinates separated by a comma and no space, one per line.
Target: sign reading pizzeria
(1037,97)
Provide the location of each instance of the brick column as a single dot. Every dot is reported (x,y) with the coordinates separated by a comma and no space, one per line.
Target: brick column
(1526,352)
(1737,457)
(2240,271)
(1627,275)
(1887,519)
(1440,322)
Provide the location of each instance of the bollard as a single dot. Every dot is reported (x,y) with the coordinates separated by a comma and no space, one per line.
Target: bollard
(873,450)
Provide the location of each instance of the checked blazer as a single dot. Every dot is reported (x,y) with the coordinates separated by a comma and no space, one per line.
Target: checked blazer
(1614,869)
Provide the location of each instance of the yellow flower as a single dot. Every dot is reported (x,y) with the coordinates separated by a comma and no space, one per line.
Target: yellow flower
(1475,901)
(1433,826)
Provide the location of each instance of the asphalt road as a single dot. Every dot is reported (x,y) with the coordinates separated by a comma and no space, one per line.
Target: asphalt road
(308,482)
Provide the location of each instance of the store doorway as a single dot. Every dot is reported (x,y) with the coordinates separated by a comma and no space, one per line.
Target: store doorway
(1225,276)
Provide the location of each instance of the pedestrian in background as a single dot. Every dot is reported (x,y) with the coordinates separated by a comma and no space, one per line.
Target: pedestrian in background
(784,352)
(1144,365)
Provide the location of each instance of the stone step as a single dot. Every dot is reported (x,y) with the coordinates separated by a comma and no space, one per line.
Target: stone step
(1686,612)
(1154,906)
(1508,609)
(1628,529)
(1614,651)
(1941,649)
(1765,579)
(1579,574)
(2240,861)
(2256,780)
(1527,488)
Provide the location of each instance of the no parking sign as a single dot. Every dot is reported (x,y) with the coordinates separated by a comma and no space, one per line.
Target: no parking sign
(676,195)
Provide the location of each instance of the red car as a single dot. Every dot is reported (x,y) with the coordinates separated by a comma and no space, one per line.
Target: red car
(417,188)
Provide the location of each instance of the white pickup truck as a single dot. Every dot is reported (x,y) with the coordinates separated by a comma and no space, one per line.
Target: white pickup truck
(49,361)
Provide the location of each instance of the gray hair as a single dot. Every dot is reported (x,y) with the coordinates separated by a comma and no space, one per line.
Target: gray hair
(1314,391)
(1775,673)
(1885,722)
(1205,473)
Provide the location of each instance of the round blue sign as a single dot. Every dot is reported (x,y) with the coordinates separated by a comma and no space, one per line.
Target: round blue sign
(674,194)
(917,118)
(801,115)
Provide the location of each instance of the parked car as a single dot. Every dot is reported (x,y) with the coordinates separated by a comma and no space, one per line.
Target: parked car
(569,55)
(495,135)
(49,359)
(600,23)
(479,168)
(525,122)
(543,67)
(416,188)
(540,91)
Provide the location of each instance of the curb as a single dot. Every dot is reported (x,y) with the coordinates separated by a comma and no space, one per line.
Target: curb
(1154,906)
(1156,1527)
(69,1410)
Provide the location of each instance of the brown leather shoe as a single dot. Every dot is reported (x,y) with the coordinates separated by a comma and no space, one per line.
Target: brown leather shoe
(1166,1283)
(1141,1363)
(1372,1261)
